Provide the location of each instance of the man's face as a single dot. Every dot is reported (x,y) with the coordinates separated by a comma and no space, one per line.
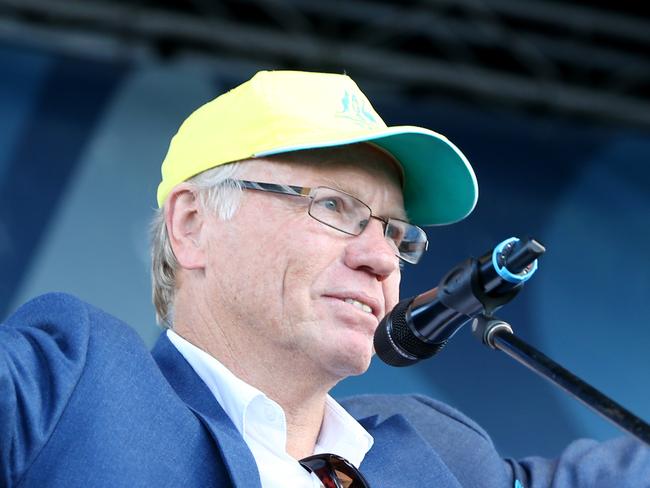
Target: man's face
(291,287)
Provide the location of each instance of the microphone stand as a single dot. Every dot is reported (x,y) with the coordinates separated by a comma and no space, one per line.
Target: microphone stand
(498,334)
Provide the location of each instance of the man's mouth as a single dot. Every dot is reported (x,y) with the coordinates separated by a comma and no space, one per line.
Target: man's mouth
(360,305)
(361,301)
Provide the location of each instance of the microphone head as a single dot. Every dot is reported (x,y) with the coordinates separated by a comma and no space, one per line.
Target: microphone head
(395,342)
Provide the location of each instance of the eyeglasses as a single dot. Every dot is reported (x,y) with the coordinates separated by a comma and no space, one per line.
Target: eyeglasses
(348,214)
(334,471)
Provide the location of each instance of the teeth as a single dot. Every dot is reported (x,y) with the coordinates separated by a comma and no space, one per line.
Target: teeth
(359,305)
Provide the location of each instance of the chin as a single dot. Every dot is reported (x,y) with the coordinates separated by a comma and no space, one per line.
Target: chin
(358,371)
(345,349)
(352,361)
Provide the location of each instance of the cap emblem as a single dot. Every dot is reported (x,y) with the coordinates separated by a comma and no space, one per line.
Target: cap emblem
(355,109)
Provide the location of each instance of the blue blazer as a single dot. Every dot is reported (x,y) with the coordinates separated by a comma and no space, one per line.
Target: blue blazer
(84,403)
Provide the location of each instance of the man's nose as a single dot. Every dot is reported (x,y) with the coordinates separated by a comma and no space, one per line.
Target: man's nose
(371,251)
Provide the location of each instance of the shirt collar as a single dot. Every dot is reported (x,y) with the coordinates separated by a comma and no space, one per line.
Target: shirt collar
(233,394)
(340,433)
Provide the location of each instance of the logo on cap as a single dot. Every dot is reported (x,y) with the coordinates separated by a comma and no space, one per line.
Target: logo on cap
(356,109)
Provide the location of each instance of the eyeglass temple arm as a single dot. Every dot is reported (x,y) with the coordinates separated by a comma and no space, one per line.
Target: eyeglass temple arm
(299,191)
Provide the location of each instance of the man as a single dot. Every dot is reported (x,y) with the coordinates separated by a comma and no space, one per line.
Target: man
(287,208)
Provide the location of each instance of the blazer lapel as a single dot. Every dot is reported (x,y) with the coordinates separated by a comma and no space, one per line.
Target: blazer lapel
(190,388)
(400,457)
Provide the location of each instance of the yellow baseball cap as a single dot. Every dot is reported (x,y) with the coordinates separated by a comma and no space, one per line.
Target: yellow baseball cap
(282,111)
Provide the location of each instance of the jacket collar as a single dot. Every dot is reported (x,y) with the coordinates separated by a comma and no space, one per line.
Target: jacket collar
(190,388)
(401,457)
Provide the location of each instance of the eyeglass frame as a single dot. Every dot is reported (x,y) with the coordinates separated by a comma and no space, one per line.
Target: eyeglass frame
(306,192)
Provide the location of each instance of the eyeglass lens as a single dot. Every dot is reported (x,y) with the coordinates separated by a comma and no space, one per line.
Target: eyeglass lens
(350,215)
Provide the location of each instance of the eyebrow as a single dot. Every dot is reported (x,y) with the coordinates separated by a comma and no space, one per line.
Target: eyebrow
(400,215)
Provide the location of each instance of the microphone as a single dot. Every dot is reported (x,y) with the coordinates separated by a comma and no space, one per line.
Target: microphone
(419,327)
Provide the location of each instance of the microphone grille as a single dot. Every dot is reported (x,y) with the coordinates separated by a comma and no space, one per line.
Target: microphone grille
(395,342)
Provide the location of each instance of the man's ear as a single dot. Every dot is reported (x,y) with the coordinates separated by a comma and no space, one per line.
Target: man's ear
(184,218)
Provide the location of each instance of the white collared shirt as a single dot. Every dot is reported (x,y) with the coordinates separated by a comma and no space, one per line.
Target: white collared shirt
(262,422)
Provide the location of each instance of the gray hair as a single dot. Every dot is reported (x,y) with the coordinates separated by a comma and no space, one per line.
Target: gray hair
(217,193)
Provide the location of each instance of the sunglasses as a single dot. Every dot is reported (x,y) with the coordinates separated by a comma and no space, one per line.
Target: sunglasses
(334,471)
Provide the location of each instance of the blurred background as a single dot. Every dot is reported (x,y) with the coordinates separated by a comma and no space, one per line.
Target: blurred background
(550,101)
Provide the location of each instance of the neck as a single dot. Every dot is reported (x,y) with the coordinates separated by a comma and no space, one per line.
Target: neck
(302,397)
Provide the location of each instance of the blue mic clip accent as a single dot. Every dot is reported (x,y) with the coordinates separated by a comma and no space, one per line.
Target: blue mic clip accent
(504,272)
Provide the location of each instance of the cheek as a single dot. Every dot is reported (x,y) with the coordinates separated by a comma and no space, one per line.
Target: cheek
(308,261)
(245,270)
(312,264)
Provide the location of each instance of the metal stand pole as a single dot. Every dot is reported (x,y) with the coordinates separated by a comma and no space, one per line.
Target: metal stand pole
(498,334)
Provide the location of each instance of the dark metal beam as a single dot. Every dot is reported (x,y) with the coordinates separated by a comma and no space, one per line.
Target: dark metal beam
(576,18)
(151,26)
